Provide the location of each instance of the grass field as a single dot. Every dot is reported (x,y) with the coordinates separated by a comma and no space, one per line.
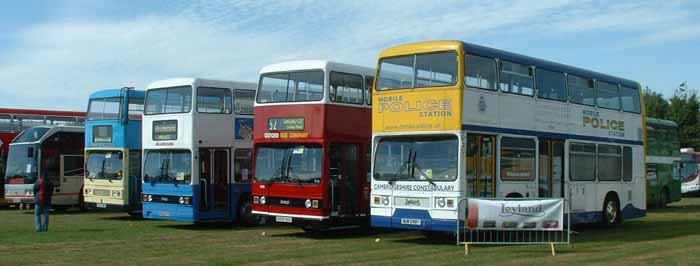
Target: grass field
(665,237)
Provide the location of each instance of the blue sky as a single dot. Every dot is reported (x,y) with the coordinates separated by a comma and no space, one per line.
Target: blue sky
(54,53)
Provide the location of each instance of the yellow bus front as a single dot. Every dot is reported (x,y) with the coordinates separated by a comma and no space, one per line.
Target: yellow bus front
(106,184)
(416,136)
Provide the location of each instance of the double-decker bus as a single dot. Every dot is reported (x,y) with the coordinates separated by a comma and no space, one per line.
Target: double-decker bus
(113,150)
(690,171)
(13,121)
(53,152)
(312,144)
(664,168)
(197,145)
(453,120)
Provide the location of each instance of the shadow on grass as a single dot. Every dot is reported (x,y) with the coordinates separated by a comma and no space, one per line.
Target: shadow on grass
(677,209)
(210,226)
(73,211)
(126,218)
(337,233)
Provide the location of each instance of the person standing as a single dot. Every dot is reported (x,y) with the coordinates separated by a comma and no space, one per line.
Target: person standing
(43,190)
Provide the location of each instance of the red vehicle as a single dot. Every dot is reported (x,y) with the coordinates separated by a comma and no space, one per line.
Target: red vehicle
(312,144)
(13,121)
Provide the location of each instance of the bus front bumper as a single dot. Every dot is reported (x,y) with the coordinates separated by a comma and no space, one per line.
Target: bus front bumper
(168,211)
(414,220)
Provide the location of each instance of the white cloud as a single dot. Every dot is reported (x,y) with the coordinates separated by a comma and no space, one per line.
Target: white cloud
(67,59)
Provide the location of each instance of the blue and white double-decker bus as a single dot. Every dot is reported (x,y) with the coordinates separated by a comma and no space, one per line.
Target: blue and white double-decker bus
(113,150)
(197,141)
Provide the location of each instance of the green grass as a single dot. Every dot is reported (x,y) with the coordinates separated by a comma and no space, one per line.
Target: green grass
(665,237)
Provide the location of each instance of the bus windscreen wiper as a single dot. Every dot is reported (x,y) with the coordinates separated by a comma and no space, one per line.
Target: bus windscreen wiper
(403,167)
(164,165)
(422,173)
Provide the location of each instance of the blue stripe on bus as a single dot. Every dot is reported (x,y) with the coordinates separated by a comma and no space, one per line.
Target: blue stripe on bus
(449,225)
(547,134)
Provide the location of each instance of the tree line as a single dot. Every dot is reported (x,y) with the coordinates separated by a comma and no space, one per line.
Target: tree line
(683,108)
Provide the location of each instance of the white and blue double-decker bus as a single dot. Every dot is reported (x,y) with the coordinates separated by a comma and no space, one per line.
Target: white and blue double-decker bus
(197,140)
(113,150)
(453,121)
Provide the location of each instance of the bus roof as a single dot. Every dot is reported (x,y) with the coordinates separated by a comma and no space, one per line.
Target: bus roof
(436,46)
(52,129)
(40,112)
(107,93)
(656,121)
(315,64)
(196,82)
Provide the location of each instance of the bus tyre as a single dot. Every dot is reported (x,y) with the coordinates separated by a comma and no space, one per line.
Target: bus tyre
(81,201)
(245,213)
(611,211)
(663,198)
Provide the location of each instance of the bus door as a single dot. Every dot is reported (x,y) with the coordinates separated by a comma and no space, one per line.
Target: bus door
(214,180)
(134,178)
(551,168)
(70,180)
(481,166)
(344,179)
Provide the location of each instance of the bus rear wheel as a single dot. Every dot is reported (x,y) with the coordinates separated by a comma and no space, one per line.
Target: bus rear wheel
(611,211)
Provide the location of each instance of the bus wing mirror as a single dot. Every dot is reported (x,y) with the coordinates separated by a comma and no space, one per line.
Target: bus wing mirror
(334,173)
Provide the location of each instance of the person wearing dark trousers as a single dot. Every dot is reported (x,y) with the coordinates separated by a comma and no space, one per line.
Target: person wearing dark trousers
(43,190)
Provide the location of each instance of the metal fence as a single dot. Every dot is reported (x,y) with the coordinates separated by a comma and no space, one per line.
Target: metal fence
(469,236)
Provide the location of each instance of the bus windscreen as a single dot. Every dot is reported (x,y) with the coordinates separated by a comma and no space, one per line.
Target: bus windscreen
(22,165)
(301,86)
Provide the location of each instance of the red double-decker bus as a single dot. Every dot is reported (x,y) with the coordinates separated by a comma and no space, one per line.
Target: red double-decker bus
(312,144)
(13,121)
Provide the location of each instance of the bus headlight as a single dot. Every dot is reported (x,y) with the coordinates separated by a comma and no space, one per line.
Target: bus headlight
(182,200)
(117,194)
(307,203)
(385,200)
(314,204)
(376,200)
(444,203)
(263,200)
(150,198)
(440,202)
(144,197)
(256,199)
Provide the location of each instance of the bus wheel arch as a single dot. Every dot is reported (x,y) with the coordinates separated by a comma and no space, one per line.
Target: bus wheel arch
(611,212)
(514,195)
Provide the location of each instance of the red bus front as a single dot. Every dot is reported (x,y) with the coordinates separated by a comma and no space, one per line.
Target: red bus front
(311,164)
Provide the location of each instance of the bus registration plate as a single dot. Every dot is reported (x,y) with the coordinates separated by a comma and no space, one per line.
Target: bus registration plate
(102,205)
(409,221)
(283,219)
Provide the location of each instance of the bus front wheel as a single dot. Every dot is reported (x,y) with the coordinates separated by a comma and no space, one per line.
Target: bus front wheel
(611,211)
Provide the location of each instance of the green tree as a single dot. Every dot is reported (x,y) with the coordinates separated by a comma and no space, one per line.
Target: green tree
(656,105)
(684,109)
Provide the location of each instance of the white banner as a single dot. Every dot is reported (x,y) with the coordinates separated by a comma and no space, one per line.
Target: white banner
(546,214)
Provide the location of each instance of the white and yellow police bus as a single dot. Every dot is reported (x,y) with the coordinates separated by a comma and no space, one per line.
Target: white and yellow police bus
(453,120)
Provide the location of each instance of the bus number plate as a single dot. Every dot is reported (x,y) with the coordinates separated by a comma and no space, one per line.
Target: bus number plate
(283,219)
(102,205)
(410,221)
